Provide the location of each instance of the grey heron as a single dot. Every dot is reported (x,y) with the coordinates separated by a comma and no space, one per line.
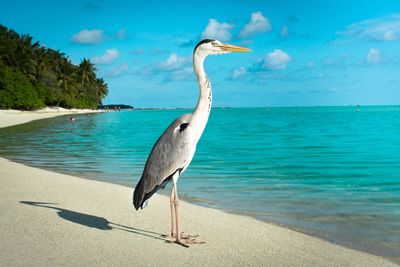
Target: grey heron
(174,150)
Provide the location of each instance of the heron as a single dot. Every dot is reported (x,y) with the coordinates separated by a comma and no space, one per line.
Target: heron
(174,150)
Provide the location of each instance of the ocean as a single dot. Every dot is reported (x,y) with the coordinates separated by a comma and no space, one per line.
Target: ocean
(332,172)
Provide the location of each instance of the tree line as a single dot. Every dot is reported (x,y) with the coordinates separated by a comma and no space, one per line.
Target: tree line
(33,76)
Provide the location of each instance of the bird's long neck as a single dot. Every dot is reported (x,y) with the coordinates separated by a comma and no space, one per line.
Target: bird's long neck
(203,108)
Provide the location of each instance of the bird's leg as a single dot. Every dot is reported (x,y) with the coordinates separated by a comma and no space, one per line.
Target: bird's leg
(180,239)
(183,240)
(172,199)
(176,206)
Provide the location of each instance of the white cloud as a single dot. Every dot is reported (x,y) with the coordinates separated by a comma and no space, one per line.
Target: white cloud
(284,32)
(175,67)
(311,64)
(121,34)
(238,73)
(276,60)
(137,51)
(217,30)
(381,29)
(257,24)
(184,74)
(88,37)
(373,56)
(118,70)
(107,57)
(173,62)
(159,51)
(390,35)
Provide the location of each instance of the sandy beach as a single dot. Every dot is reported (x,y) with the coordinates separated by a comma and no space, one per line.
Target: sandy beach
(13,117)
(50,219)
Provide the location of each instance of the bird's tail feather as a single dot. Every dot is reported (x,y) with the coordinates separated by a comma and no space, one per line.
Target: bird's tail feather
(138,195)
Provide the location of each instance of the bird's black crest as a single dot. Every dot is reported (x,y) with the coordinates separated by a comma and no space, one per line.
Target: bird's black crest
(203,42)
(183,126)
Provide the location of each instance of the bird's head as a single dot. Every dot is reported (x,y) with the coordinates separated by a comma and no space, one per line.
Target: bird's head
(208,47)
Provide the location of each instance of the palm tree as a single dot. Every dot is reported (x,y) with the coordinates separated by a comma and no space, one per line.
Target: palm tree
(42,62)
(86,73)
(8,46)
(51,73)
(25,59)
(66,76)
(55,59)
(101,89)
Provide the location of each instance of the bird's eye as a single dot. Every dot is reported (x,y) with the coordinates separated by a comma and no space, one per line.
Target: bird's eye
(214,43)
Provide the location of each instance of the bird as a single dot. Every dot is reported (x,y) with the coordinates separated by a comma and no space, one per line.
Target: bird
(174,150)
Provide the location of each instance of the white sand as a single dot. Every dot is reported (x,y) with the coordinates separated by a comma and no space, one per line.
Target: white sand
(93,223)
(13,117)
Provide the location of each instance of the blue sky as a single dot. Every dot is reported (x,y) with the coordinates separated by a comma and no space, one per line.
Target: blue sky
(304,52)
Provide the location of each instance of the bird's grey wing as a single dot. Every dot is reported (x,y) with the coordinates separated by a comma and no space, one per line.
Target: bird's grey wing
(170,152)
(168,156)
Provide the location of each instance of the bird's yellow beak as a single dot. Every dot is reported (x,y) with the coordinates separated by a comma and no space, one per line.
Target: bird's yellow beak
(234,48)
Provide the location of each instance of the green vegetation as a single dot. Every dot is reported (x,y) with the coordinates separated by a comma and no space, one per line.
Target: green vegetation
(32,76)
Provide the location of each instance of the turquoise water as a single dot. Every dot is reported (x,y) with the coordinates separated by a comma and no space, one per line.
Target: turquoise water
(328,171)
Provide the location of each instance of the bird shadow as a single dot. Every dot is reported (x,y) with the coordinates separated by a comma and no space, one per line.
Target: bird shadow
(92,221)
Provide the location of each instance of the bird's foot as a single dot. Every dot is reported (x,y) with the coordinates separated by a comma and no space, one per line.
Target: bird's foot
(183,236)
(170,236)
(184,240)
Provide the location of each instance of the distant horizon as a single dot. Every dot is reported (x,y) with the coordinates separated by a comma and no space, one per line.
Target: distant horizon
(225,107)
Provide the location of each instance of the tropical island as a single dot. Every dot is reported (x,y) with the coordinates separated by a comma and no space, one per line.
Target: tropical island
(115,107)
(33,76)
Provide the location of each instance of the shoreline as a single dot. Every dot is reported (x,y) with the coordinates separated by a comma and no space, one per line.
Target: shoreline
(87,206)
(13,117)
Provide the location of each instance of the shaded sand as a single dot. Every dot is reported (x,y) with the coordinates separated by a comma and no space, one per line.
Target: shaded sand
(84,222)
(51,219)
(13,117)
